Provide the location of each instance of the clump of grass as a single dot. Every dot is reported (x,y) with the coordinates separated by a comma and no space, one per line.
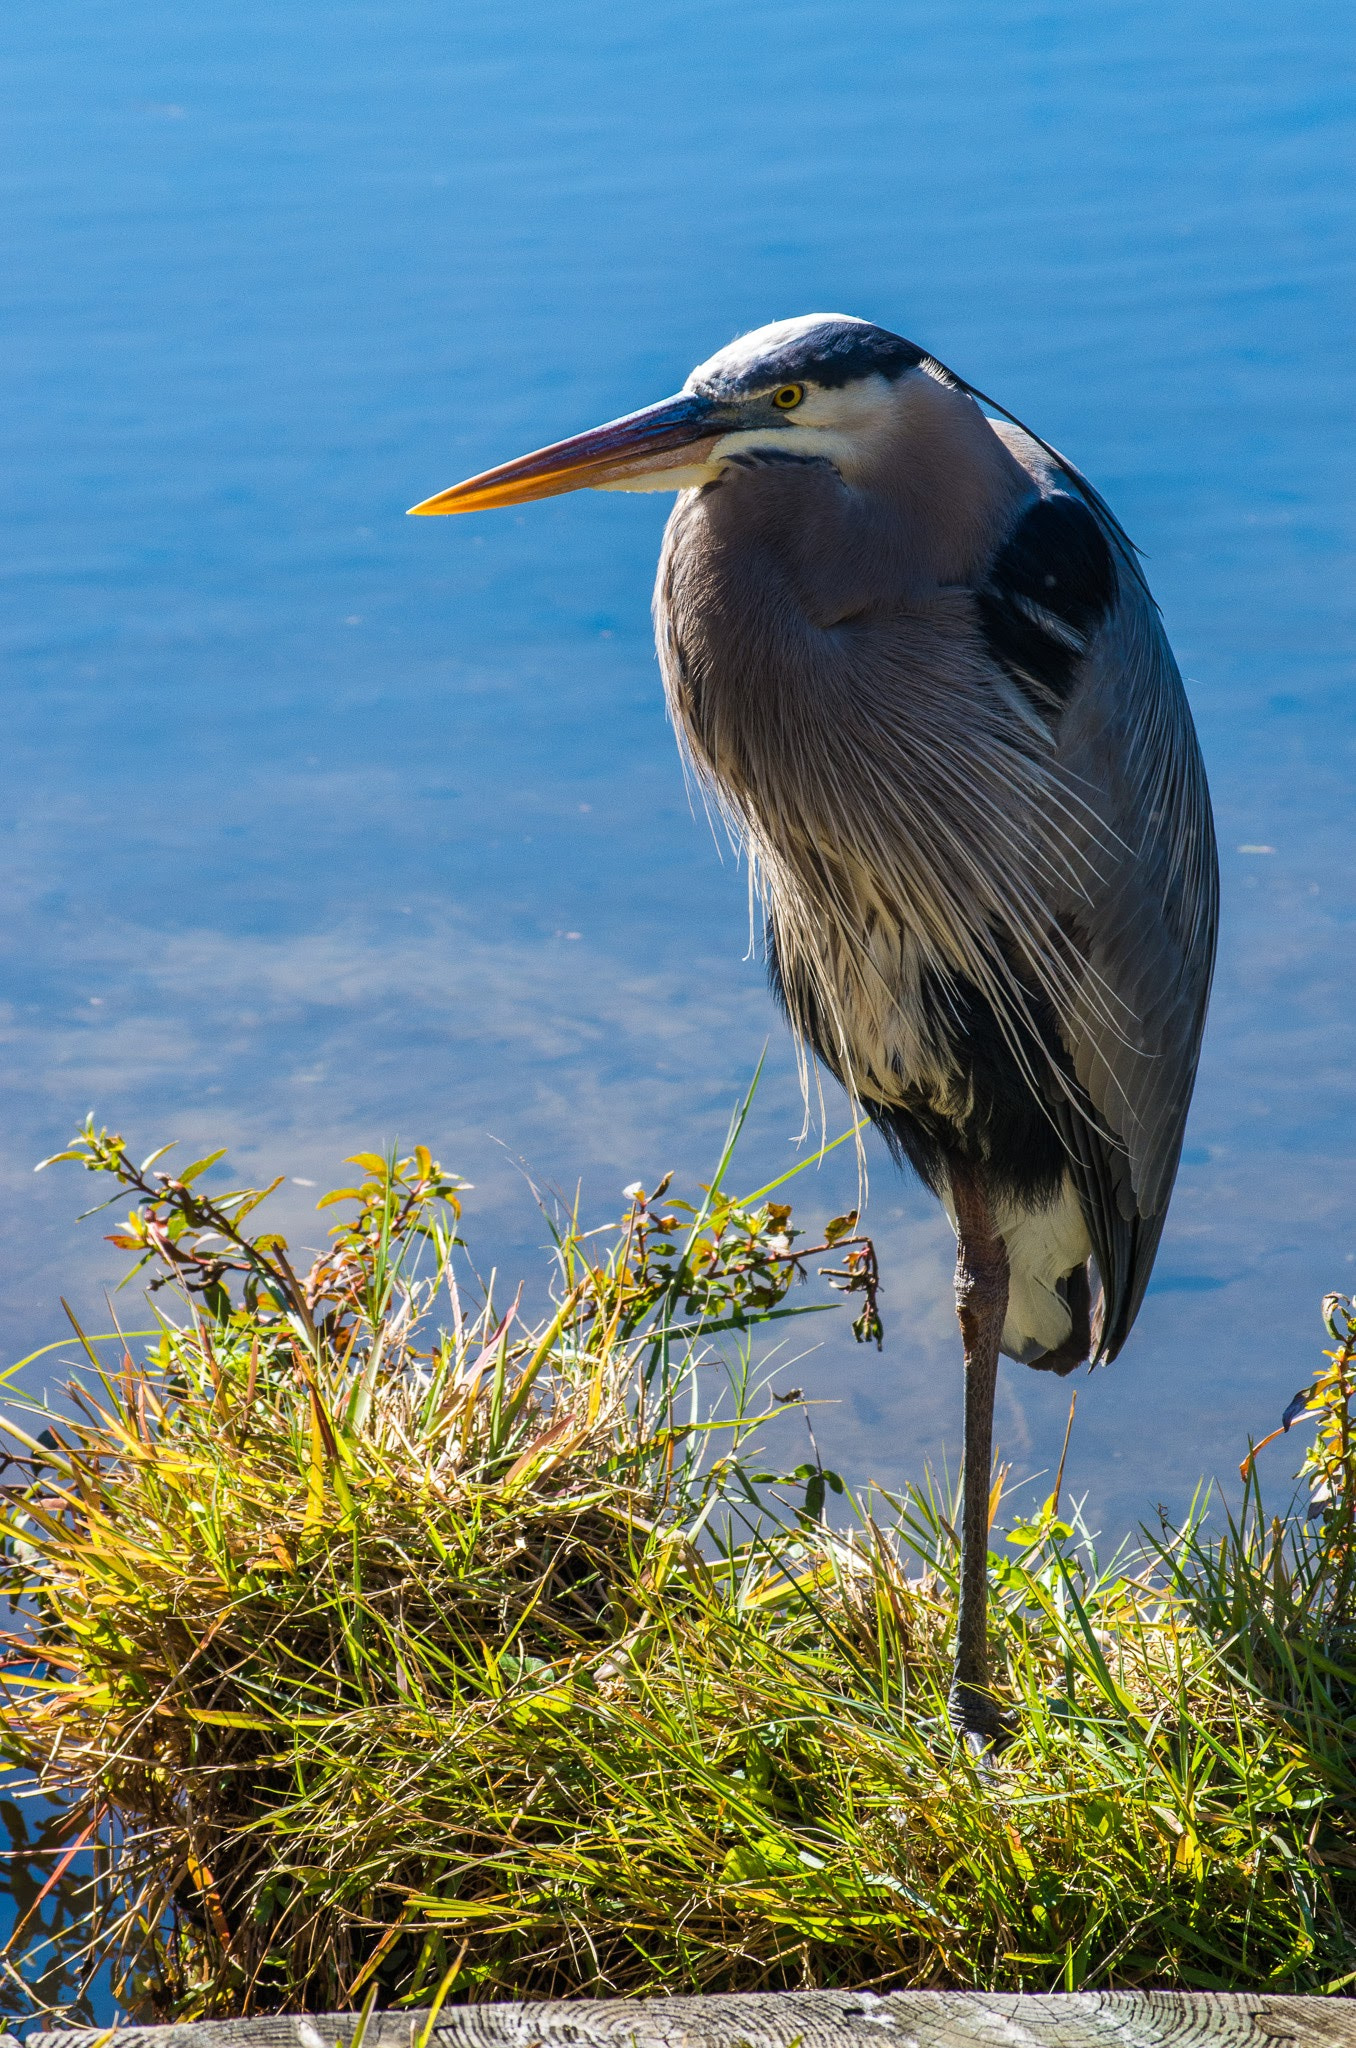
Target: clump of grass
(380,1642)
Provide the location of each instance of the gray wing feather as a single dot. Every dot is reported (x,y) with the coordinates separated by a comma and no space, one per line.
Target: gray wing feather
(1141,914)
(1144,920)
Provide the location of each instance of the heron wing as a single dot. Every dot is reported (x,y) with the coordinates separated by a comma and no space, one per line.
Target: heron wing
(1067,614)
(1146,932)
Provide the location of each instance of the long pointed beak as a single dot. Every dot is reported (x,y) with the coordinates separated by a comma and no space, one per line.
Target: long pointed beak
(671,435)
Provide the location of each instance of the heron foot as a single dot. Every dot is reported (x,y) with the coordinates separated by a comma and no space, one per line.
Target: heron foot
(977,1718)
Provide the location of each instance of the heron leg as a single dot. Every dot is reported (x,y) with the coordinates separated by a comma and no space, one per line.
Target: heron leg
(981,1306)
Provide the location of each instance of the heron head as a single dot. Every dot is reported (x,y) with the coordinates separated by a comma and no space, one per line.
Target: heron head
(818,386)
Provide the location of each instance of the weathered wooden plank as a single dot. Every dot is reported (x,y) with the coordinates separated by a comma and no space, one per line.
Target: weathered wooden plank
(800,2019)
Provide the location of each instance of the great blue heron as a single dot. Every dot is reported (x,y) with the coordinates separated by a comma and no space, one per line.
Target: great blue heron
(913,656)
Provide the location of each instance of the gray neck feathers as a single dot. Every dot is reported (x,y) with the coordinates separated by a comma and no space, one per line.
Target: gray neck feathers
(827,679)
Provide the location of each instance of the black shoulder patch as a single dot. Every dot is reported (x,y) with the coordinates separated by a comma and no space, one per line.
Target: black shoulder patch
(1048,589)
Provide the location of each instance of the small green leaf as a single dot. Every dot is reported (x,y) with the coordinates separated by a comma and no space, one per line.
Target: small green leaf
(190,1173)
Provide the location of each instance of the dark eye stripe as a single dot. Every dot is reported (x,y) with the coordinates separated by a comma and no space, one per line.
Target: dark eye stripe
(830,354)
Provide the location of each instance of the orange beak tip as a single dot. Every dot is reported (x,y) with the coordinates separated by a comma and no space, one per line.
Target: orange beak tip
(660,437)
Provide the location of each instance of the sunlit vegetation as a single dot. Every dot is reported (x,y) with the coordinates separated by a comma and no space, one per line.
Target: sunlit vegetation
(372,1637)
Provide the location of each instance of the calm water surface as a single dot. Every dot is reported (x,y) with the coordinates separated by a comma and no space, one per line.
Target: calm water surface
(320,826)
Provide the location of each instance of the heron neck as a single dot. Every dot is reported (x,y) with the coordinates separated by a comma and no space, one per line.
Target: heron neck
(936,469)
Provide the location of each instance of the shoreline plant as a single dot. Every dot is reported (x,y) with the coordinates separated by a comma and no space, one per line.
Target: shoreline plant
(374,1642)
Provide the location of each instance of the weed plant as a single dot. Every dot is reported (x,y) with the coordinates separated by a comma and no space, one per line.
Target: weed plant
(374,1642)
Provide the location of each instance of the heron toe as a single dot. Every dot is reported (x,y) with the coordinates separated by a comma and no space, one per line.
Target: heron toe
(978,1719)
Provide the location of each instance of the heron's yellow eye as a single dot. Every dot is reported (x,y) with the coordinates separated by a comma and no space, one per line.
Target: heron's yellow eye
(788,396)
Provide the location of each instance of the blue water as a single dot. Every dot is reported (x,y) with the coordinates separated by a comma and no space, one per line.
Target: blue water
(320,826)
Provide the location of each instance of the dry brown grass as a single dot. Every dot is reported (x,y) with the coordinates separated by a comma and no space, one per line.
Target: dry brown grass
(379,1640)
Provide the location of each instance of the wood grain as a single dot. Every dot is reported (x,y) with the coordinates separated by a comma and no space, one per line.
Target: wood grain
(798,2019)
